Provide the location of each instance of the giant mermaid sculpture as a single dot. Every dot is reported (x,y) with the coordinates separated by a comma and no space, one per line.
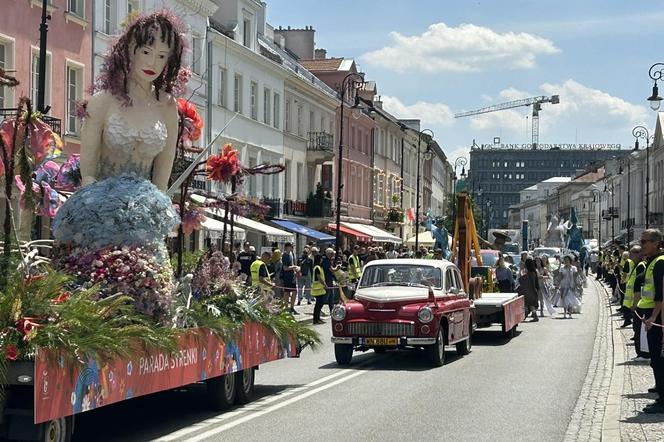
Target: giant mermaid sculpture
(128,142)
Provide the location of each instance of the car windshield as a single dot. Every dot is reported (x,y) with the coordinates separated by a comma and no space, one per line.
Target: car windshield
(383,275)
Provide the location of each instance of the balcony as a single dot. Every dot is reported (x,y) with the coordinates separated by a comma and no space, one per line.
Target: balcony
(320,147)
(319,208)
(274,205)
(54,123)
(295,208)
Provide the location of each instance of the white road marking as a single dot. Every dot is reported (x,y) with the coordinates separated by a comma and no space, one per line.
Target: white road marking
(253,406)
(275,407)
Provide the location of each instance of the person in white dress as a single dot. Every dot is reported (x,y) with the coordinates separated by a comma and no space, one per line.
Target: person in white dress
(569,288)
(545,285)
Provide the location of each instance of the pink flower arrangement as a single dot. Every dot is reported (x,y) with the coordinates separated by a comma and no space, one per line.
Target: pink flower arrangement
(192,218)
(223,167)
(133,271)
(191,123)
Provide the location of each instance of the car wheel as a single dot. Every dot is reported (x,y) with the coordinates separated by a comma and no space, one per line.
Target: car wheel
(221,391)
(436,352)
(244,386)
(463,348)
(343,353)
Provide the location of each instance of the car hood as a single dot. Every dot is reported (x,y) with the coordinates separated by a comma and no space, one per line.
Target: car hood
(394,294)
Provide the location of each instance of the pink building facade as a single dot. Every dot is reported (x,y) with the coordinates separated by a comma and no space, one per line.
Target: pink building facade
(69,56)
(358,129)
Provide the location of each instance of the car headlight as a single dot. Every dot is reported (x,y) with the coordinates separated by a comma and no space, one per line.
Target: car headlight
(339,313)
(424,315)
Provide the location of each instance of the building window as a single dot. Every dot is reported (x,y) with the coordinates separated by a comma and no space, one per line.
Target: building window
(254,100)
(277,110)
(109,19)
(132,7)
(34,79)
(287,125)
(196,54)
(6,62)
(287,181)
(74,94)
(299,121)
(246,33)
(223,85)
(76,7)
(299,182)
(267,106)
(237,97)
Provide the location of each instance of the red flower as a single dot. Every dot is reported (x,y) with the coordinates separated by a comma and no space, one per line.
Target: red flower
(62,297)
(26,325)
(11,352)
(191,121)
(223,166)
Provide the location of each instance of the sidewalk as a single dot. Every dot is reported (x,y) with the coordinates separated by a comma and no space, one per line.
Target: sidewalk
(628,391)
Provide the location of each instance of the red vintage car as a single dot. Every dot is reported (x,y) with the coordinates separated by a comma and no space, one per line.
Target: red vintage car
(405,303)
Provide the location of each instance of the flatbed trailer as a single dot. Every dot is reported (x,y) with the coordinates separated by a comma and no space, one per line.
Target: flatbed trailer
(506,309)
(44,396)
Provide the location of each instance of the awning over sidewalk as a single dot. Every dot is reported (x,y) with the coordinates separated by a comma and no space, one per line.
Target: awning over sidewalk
(362,237)
(271,233)
(215,229)
(374,232)
(304,230)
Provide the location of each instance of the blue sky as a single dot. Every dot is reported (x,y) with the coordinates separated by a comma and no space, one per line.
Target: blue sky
(434,58)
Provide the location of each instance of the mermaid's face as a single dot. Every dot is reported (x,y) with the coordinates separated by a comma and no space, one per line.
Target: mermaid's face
(150,60)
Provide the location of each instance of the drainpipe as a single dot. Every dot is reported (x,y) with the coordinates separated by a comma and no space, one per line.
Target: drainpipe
(401,187)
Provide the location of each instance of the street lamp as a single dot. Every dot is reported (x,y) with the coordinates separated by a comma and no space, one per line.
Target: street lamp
(597,197)
(356,82)
(427,157)
(642,132)
(460,161)
(655,72)
(487,217)
(613,218)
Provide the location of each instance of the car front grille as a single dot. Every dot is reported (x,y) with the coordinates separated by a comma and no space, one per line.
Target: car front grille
(380,329)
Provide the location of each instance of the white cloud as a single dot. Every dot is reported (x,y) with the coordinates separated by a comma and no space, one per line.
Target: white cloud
(590,111)
(466,48)
(428,113)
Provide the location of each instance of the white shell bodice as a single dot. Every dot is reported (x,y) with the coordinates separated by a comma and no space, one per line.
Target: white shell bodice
(130,150)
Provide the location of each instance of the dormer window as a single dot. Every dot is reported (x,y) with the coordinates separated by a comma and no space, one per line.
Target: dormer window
(246,33)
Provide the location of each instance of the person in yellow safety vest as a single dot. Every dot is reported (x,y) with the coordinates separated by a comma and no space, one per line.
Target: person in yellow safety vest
(260,276)
(630,279)
(633,295)
(651,306)
(319,288)
(355,265)
(626,267)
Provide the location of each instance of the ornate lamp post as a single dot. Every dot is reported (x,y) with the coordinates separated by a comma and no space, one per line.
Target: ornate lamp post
(356,81)
(655,72)
(609,189)
(597,197)
(642,132)
(427,157)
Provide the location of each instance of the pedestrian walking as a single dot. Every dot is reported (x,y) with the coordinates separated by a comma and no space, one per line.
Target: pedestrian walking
(319,288)
(545,289)
(306,265)
(528,287)
(260,276)
(568,288)
(354,270)
(246,257)
(650,303)
(329,267)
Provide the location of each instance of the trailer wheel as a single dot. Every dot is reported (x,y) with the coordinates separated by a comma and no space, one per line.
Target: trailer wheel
(57,430)
(244,386)
(436,352)
(221,391)
(343,353)
(464,347)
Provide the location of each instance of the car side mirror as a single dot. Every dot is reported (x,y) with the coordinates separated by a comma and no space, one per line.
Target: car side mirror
(454,291)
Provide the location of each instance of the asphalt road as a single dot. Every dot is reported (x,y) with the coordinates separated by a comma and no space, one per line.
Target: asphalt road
(519,389)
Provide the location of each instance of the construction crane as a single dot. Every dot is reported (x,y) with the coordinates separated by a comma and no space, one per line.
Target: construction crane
(535,102)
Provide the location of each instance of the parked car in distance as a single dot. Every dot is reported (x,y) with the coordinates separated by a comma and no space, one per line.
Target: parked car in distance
(403,303)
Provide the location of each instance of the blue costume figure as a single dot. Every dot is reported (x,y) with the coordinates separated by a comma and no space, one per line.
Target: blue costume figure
(439,233)
(574,236)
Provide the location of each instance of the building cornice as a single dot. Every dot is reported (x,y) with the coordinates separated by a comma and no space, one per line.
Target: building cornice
(203,7)
(242,51)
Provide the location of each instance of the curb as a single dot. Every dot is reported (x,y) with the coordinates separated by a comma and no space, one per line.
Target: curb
(612,412)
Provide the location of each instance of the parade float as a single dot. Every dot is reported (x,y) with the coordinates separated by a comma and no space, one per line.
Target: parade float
(98,315)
